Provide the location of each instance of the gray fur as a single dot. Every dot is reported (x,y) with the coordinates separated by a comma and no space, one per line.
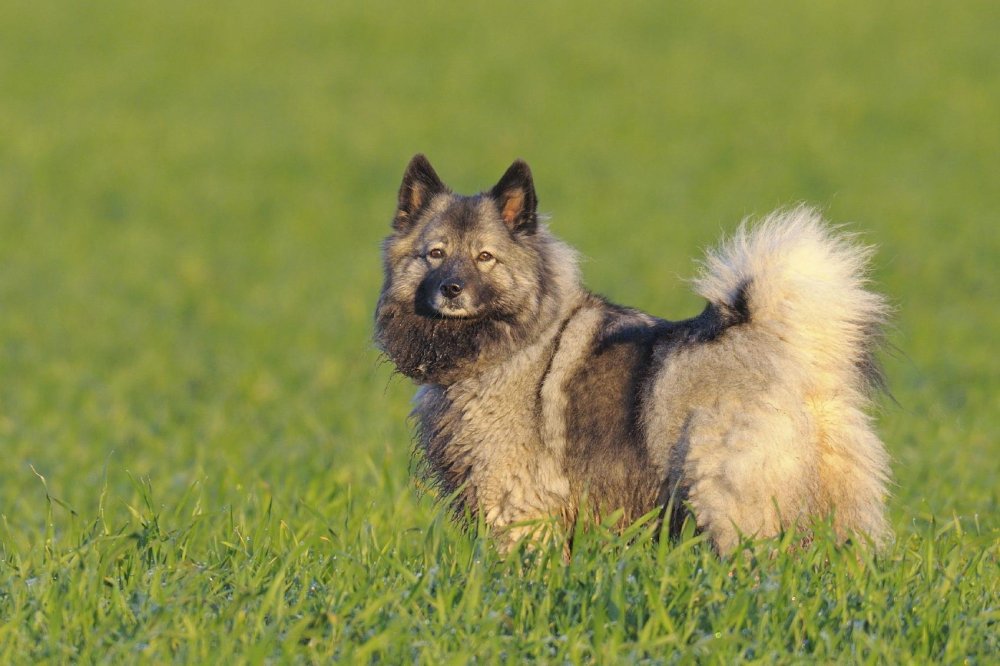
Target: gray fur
(540,400)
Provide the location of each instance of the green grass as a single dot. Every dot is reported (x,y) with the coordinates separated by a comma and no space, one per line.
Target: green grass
(202,458)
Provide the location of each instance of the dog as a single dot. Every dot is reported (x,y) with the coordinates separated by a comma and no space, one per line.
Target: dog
(539,400)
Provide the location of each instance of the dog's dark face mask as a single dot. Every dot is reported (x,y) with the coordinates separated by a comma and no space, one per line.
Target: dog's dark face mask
(462,274)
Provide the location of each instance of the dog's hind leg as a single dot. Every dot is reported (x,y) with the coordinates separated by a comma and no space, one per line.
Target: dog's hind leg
(750,470)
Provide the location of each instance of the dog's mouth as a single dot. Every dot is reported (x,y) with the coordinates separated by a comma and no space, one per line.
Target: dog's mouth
(448,312)
(461,309)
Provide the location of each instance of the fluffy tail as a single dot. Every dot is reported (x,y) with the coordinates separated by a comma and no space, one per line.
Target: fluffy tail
(803,287)
(807,285)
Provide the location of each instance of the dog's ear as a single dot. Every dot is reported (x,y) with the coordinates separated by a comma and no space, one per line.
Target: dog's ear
(420,184)
(516,200)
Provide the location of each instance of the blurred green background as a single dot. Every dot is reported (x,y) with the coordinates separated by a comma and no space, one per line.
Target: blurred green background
(192,197)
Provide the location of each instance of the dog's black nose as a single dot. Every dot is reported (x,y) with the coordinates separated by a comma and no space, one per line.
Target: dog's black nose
(451,288)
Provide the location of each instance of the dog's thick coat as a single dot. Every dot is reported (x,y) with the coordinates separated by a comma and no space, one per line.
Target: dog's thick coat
(539,399)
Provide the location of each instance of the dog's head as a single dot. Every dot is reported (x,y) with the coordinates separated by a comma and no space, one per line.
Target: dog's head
(464,275)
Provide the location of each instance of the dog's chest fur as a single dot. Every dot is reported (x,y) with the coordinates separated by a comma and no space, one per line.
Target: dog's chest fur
(482,439)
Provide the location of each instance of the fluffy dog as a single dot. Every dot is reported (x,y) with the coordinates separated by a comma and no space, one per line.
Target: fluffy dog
(541,400)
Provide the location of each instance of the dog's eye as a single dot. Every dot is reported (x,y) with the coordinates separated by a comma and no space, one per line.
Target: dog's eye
(484,256)
(436,253)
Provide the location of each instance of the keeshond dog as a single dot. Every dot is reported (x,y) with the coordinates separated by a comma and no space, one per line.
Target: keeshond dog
(541,401)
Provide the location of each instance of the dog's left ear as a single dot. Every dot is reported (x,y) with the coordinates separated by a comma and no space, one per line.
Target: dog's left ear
(516,200)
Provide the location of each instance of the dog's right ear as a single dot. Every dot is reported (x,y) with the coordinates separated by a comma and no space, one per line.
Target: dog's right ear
(516,199)
(420,184)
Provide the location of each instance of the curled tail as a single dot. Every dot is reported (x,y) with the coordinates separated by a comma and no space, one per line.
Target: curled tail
(799,280)
(805,305)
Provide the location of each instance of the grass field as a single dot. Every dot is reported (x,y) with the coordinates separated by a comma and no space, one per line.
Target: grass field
(201,458)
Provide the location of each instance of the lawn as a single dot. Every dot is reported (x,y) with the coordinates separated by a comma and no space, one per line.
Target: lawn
(203,459)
